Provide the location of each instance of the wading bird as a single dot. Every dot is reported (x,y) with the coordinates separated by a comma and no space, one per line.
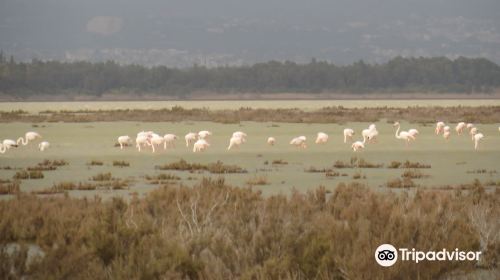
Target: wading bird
(123,141)
(29,136)
(357,146)
(446,132)
(299,142)
(271,141)
(169,141)
(348,134)
(477,137)
(439,127)
(322,138)
(43,146)
(190,138)
(460,127)
(200,145)
(403,135)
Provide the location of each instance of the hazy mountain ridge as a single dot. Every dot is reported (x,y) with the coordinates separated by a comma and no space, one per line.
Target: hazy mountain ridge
(180,34)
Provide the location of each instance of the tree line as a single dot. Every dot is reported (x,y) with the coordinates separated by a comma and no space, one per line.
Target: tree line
(436,74)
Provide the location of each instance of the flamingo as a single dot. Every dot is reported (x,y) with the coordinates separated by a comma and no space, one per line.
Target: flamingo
(141,140)
(413,132)
(204,134)
(169,141)
(200,145)
(156,140)
(271,141)
(191,137)
(403,135)
(299,142)
(446,132)
(460,127)
(322,138)
(123,141)
(235,141)
(348,134)
(358,145)
(43,146)
(29,136)
(439,127)
(9,143)
(370,133)
(3,149)
(477,137)
(473,131)
(240,134)
(469,126)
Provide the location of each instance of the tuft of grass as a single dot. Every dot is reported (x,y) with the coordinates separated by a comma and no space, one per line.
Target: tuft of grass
(398,183)
(279,162)
(95,163)
(121,163)
(102,177)
(216,168)
(394,164)
(258,181)
(413,174)
(8,187)
(24,175)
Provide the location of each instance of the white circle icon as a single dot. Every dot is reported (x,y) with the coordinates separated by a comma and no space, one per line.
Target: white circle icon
(386,255)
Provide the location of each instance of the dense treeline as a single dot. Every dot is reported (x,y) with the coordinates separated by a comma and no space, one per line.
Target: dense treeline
(215,231)
(438,74)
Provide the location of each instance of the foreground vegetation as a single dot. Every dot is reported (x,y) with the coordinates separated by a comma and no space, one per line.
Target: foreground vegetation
(215,231)
(338,114)
(438,74)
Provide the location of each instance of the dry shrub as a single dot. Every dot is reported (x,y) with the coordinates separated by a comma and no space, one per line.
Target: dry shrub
(95,163)
(121,163)
(160,178)
(8,187)
(216,168)
(279,162)
(356,162)
(102,177)
(398,183)
(215,231)
(258,181)
(394,164)
(414,174)
(23,175)
(331,173)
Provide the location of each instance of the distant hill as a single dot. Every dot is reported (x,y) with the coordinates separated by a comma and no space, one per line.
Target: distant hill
(19,80)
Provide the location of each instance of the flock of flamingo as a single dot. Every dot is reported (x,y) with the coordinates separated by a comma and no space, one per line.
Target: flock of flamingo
(200,140)
(7,144)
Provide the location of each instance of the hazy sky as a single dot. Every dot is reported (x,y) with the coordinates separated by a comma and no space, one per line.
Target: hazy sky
(180,32)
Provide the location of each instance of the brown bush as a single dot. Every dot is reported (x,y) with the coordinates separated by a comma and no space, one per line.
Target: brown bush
(214,231)
(414,174)
(258,181)
(8,187)
(102,177)
(95,163)
(121,163)
(215,168)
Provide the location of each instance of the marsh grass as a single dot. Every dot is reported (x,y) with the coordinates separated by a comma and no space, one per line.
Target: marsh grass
(408,164)
(356,162)
(95,162)
(216,168)
(9,187)
(398,183)
(25,175)
(121,163)
(258,181)
(183,232)
(162,178)
(102,177)
(335,114)
(414,174)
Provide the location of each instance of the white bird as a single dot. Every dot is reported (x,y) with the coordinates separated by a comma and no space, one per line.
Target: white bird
(439,127)
(469,126)
(370,133)
(473,131)
(123,141)
(204,134)
(460,127)
(271,141)
(446,132)
(3,149)
(235,142)
(322,138)
(413,132)
(348,134)
(403,135)
(43,146)
(9,143)
(358,145)
(240,134)
(191,137)
(29,136)
(156,140)
(142,140)
(169,141)
(477,137)
(299,142)
(200,145)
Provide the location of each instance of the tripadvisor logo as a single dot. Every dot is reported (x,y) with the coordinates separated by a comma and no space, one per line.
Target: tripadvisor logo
(387,255)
